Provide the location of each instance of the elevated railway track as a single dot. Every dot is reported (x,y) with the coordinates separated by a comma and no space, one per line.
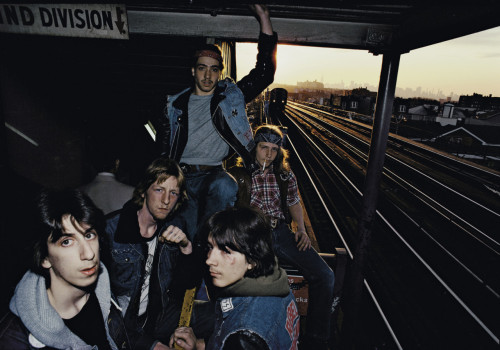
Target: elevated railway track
(435,246)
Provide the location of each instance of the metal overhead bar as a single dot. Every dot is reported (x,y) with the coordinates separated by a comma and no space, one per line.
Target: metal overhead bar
(245,28)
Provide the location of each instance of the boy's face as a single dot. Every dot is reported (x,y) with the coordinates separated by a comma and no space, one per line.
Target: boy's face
(206,75)
(161,198)
(226,268)
(266,152)
(73,260)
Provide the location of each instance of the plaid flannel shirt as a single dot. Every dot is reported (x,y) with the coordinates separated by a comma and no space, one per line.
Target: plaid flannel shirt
(266,193)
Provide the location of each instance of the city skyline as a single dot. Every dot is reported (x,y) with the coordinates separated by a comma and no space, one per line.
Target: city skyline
(462,66)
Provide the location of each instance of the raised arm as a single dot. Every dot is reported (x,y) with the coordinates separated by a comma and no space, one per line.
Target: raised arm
(262,14)
(263,74)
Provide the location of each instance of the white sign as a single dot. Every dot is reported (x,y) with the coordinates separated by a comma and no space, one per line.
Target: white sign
(82,20)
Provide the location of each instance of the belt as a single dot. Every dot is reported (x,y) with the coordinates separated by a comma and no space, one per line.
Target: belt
(275,222)
(194,168)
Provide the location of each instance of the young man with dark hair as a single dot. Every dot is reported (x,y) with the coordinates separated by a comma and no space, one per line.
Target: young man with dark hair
(271,186)
(255,308)
(204,122)
(151,263)
(65,302)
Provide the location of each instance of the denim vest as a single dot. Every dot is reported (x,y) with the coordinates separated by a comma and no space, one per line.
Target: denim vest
(231,104)
(234,112)
(274,319)
(128,263)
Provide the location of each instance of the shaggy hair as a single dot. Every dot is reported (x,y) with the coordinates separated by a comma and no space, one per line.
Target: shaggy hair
(158,172)
(245,230)
(52,207)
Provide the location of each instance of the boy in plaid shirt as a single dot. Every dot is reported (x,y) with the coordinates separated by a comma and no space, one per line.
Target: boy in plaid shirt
(271,186)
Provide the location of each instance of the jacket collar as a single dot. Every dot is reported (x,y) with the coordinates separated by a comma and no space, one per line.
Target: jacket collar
(276,284)
(183,99)
(128,230)
(220,88)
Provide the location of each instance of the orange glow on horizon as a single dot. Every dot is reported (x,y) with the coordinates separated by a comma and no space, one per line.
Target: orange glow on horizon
(462,66)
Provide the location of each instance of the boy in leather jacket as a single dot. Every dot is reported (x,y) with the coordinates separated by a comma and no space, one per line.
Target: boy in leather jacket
(204,122)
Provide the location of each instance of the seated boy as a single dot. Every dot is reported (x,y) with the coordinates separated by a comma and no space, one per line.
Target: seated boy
(255,308)
(271,186)
(64,302)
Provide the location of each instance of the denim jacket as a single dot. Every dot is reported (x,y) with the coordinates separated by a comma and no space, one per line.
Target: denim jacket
(128,254)
(274,319)
(227,108)
(127,268)
(262,307)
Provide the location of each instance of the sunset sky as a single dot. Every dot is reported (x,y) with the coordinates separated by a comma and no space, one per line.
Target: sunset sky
(462,66)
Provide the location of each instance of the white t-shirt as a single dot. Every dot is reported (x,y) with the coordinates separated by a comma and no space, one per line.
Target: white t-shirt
(143,303)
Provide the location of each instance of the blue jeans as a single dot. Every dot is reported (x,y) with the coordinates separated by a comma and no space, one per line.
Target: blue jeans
(319,275)
(208,192)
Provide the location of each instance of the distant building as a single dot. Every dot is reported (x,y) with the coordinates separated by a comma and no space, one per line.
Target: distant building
(453,115)
(419,101)
(444,100)
(363,92)
(479,102)
(472,136)
(425,112)
(359,100)
(400,108)
(310,85)
(359,104)
(478,143)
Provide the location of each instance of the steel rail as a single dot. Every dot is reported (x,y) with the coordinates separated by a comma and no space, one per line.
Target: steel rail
(405,242)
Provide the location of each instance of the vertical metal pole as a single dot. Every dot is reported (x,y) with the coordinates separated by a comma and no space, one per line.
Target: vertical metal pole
(228,49)
(233,60)
(3,136)
(380,133)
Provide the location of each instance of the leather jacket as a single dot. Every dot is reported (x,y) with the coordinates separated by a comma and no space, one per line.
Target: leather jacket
(227,108)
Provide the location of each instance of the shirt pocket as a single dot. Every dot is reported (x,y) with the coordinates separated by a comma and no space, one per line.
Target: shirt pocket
(126,270)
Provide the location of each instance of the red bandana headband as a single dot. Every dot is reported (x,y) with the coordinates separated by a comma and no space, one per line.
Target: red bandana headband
(208,53)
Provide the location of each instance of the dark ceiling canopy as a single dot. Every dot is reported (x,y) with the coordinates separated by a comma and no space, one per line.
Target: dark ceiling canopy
(376,26)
